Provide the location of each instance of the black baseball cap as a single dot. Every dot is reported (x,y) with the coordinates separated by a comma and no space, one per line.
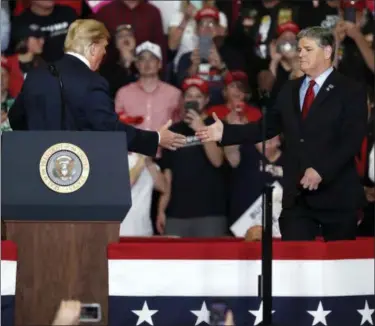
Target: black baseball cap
(23,32)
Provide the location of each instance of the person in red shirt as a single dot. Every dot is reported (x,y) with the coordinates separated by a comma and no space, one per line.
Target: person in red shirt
(236,93)
(144,18)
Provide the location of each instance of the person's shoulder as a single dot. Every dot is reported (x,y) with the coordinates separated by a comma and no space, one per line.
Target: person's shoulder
(108,8)
(170,88)
(150,8)
(23,17)
(38,77)
(221,110)
(129,88)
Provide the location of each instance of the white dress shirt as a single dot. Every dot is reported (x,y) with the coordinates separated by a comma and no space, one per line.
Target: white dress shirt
(80,57)
(319,81)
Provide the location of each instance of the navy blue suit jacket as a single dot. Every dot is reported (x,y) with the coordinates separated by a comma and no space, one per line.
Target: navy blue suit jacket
(89,105)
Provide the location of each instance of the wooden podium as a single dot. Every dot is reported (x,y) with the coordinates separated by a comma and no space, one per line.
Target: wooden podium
(62,237)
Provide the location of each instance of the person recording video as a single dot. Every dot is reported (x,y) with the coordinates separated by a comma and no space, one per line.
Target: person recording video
(284,63)
(194,204)
(354,34)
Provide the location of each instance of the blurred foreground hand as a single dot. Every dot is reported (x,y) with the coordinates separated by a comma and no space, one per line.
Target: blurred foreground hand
(229,320)
(68,313)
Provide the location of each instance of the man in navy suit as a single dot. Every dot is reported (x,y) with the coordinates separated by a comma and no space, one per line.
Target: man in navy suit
(86,95)
(323,118)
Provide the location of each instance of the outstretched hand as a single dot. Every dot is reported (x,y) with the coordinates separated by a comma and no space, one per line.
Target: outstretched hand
(169,139)
(213,132)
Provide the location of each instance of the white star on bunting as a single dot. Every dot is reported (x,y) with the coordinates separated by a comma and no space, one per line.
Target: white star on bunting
(366,314)
(145,315)
(203,314)
(258,314)
(319,315)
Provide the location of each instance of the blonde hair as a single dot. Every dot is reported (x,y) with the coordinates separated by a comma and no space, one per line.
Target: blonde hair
(84,32)
(206,3)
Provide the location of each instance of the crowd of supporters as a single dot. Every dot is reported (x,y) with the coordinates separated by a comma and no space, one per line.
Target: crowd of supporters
(185,60)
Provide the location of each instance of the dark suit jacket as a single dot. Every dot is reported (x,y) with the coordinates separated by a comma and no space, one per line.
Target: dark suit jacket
(327,140)
(89,106)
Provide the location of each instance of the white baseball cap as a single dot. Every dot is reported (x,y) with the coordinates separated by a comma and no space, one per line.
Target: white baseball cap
(151,47)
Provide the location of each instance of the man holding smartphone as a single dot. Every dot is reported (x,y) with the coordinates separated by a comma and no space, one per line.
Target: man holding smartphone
(354,42)
(194,203)
(212,57)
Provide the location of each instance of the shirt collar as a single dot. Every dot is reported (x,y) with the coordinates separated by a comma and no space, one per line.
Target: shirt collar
(321,78)
(80,57)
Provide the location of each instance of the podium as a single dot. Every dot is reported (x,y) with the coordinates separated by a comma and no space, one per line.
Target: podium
(64,195)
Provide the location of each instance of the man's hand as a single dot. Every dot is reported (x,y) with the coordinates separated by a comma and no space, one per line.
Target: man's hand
(340,31)
(68,313)
(195,57)
(370,194)
(194,120)
(352,30)
(311,179)
(213,132)
(160,222)
(214,58)
(229,319)
(169,139)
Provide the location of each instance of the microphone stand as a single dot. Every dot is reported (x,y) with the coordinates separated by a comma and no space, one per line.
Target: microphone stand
(265,279)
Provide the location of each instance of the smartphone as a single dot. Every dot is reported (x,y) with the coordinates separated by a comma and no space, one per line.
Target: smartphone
(90,313)
(218,312)
(205,45)
(350,14)
(191,105)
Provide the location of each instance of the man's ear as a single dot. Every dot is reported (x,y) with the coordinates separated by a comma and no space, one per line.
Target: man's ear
(92,49)
(328,52)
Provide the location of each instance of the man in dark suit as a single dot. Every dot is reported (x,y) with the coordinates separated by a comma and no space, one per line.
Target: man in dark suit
(323,118)
(86,95)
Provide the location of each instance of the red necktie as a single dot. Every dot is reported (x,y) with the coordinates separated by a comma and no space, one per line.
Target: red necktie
(309,98)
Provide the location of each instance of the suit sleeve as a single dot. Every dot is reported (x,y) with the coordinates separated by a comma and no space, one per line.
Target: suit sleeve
(252,132)
(353,130)
(101,115)
(17,113)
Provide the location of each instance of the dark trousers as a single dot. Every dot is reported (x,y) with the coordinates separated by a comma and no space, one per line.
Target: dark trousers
(303,223)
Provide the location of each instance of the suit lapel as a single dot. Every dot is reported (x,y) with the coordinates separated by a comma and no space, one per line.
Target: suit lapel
(296,99)
(326,89)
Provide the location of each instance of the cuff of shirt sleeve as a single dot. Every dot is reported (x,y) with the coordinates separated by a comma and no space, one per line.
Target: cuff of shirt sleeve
(158,137)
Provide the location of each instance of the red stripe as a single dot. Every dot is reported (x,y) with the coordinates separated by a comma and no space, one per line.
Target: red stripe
(240,250)
(8,250)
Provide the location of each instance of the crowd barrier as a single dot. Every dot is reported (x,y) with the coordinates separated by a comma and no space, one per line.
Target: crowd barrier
(167,282)
(8,282)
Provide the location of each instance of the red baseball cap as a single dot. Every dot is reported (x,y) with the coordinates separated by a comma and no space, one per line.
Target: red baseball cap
(209,12)
(236,76)
(357,4)
(195,81)
(288,27)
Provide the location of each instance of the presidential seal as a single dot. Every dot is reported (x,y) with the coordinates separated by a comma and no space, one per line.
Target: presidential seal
(64,168)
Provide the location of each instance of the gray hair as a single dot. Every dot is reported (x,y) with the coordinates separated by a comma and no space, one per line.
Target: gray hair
(323,37)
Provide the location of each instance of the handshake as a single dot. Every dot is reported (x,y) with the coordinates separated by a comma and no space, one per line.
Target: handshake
(173,141)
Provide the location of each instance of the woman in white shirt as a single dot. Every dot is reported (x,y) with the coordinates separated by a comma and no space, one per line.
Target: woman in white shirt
(182,36)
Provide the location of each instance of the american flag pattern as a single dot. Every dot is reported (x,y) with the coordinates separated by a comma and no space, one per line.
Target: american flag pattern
(170,282)
(8,282)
